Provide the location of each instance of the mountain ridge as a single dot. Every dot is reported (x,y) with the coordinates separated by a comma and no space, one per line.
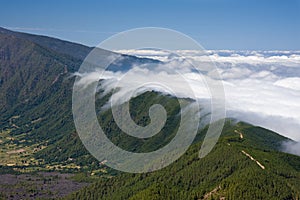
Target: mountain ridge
(61,46)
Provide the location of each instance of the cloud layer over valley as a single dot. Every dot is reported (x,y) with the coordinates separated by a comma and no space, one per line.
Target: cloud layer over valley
(261,87)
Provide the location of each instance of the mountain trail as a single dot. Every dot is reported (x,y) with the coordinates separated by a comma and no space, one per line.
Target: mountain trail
(238,132)
(257,162)
(214,191)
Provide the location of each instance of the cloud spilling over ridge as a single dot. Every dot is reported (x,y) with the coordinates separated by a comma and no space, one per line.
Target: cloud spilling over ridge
(291,147)
(261,87)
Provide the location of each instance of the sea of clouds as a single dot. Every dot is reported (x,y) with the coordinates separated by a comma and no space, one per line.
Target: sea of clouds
(261,87)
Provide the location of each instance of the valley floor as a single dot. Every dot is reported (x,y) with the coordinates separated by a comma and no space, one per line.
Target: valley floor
(43,185)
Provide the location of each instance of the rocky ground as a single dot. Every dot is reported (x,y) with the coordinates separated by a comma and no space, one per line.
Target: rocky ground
(43,185)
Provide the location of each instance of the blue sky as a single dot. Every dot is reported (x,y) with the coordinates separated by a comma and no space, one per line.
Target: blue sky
(215,24)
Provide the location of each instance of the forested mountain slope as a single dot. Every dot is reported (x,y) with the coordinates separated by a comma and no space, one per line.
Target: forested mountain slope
(245,164)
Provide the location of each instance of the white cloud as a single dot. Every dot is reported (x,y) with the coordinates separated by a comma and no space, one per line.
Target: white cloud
(292,147)
(261,87)
(290,83)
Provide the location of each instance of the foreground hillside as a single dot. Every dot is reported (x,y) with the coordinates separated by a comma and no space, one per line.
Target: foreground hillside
(245,164)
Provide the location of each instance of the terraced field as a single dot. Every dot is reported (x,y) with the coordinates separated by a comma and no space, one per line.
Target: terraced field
(15,150)
(18,153)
